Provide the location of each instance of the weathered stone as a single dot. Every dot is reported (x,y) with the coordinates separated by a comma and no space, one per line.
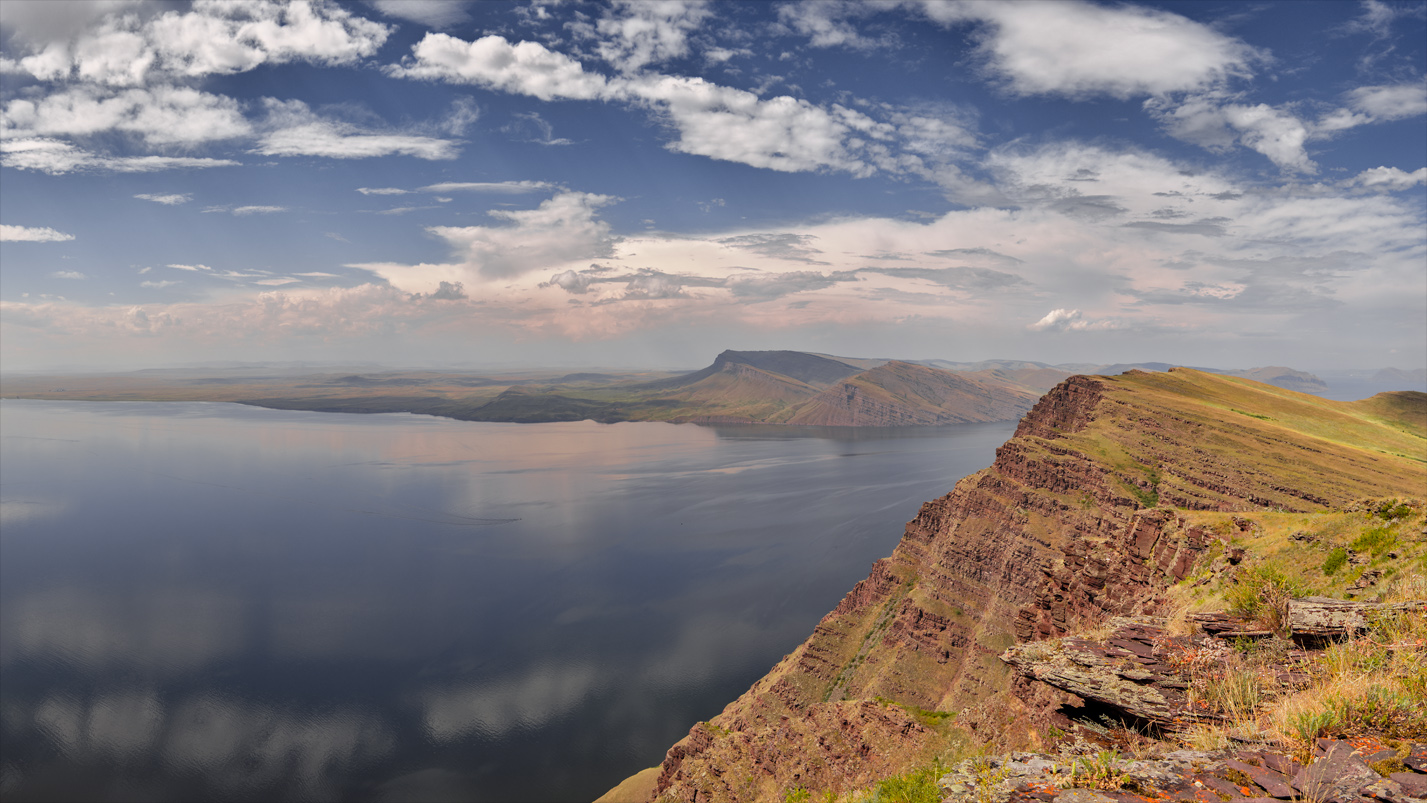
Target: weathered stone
(1273,783)
(1337,777)
(1324,617)
(1082,796)
(1417,757)
(1412,784)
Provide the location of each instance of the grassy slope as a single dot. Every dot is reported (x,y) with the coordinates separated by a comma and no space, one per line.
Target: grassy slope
(1275,447)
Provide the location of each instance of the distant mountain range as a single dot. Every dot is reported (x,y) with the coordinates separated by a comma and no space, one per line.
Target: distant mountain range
(754,387)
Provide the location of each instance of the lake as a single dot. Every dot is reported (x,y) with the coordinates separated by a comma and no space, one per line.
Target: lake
(206,601)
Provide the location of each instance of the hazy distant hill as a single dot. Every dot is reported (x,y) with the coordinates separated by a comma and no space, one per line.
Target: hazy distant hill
(760,387)
(905,394)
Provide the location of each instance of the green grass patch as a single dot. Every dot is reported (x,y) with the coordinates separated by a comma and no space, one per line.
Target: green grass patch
(1335,561)
(1376,541)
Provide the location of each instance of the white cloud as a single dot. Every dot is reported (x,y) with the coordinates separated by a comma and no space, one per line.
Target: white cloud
(297,131)
(55,157)
(190,267)
(781,133)
(1079,49)
(68,274)
(431,13)
(499,187)
(163,115)
(525,68)
(28,234)
(560,230)
(213,37)
(825,22)
(1391,102)
(382,191)
(1390,178)
(1212,122)
(242,211)
(641,32)
(173,199)
(1070,320)
(160,284)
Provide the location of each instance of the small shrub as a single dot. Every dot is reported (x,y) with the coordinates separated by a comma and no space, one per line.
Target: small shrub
(1100,771)
(1377,541)
(917,786)
(797,795)
(1335,561)
(1392,510)
(1263,595)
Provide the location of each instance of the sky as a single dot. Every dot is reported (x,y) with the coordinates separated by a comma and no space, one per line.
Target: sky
(645,184)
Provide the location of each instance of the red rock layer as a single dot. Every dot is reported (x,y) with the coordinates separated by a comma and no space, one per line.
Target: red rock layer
(1054,536)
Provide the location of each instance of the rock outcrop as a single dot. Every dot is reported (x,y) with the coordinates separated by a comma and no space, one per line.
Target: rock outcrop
(1080,518)
(1338,772)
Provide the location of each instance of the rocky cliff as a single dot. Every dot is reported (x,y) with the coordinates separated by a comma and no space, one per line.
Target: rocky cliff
(1083,515)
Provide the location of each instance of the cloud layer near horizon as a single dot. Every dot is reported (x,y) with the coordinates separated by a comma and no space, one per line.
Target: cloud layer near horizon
(1236,220)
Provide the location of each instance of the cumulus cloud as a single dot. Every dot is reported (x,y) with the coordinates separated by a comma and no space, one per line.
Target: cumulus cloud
(297,131)
(1215,124)
(635,33)
(68,274)
(163,115)
(211,37)
(1390,178)
(171,199)
(1070,320)
(243,211)
(825,22)
(1390,102)
(383,191)
(561,229)
(1080,49)
(28,234)
(525,68)
(56,157)
(781,133)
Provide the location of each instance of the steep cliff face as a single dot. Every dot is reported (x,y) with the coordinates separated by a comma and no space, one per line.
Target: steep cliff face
(1074,522)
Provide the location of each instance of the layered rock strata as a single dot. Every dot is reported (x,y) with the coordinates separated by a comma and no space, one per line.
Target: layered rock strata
(1072,524)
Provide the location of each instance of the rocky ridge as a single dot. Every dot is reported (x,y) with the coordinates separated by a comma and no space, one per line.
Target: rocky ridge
(1086,513)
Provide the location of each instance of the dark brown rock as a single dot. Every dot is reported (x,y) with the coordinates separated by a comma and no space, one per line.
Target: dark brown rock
(1337,777)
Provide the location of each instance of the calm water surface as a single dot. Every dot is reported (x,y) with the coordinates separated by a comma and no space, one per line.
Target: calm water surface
(210,601)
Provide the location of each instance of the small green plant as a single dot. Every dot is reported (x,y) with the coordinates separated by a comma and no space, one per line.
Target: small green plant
(1263,595)
(1335,561)
(797,794)
(1100,771)
(1377,541)
(1392,510)
(917,786)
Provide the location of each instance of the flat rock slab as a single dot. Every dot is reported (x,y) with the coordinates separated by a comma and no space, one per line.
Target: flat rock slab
(1412,784)
(1417,758)
(1276,785)
(1337,777)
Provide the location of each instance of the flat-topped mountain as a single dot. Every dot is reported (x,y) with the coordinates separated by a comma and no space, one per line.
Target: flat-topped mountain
(1112,491)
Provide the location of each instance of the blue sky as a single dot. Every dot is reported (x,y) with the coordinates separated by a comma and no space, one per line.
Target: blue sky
(648,183)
